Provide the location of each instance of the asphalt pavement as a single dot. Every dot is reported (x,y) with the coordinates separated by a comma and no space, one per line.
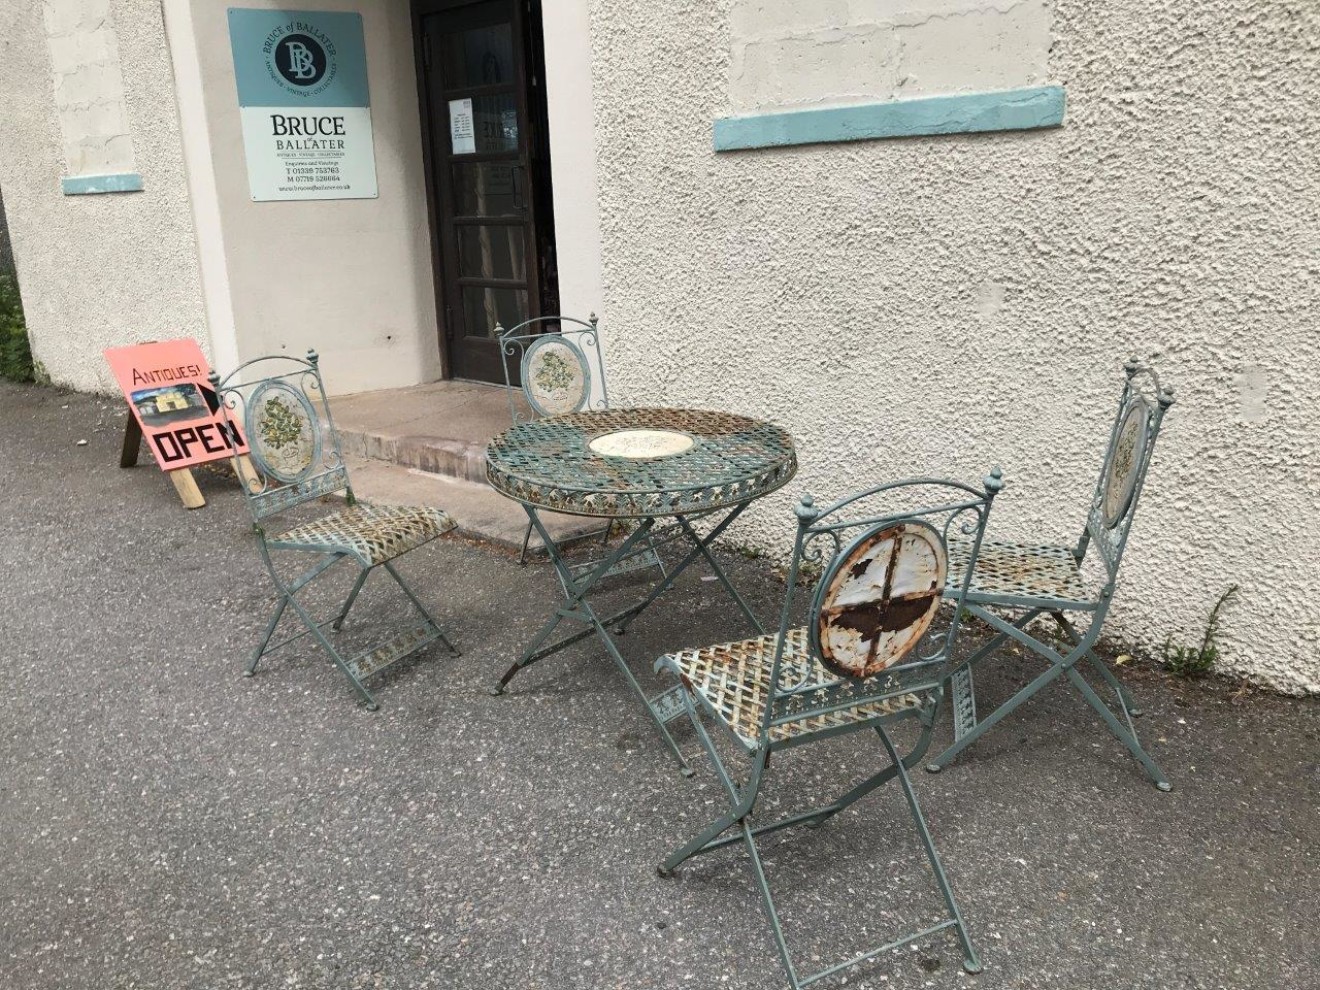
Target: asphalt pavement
(167,823)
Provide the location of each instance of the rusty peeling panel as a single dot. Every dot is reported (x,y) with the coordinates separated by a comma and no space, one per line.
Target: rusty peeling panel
(880,599)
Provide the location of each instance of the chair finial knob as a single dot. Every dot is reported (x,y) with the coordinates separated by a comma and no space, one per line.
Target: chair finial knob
(214,379)
(593,319)
(312,356)
(806,508)
(994,481)
(499,329)
(1166,397)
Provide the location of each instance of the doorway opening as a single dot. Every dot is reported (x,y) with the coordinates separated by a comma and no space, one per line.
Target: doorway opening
(481,77)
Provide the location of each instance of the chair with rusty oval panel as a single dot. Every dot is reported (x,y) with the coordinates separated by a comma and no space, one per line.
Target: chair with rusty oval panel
(1017,583)
(278,404)
(876,649)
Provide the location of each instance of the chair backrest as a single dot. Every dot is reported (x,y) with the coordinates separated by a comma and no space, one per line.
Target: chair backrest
(1140,414)
(279,405)
(886,609)
(556,360)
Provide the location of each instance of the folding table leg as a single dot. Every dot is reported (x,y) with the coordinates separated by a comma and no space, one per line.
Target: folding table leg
(699,550)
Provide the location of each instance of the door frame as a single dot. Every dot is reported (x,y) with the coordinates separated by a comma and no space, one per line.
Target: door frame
(534,123)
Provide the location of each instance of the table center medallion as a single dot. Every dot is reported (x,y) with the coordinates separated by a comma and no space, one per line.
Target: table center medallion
(641,444)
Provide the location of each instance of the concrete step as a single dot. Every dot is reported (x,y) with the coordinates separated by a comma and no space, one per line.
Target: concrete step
(480,511)
(441,428)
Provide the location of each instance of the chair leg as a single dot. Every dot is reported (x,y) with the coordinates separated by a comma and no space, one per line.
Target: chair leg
(768,901)
(329,648)
(352,597)
(741,804)
(984,726)
(741,801)
(1125,735)
(260,651)
(962,687)
(1124,696)
(971,962)
(389,567)
(884,776)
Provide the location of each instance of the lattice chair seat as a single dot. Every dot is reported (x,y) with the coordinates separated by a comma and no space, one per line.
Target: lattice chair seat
(734,680)
(373,534)
(1019,571)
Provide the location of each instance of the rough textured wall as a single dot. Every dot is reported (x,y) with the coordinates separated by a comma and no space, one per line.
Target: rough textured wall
(938,305)
(96,271)
(6,252)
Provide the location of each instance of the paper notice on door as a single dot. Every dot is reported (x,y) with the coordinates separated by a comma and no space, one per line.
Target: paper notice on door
(461,134)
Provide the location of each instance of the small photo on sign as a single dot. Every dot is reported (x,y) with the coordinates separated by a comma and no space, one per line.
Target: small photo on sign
(174,404)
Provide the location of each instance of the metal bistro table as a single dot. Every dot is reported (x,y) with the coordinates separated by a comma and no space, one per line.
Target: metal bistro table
(644,465)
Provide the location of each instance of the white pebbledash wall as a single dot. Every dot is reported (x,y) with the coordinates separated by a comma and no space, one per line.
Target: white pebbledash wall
(86,90)
(938,305)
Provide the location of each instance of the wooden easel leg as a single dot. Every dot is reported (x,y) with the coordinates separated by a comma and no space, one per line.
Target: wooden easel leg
(128,456)
(245,472)
(186,485)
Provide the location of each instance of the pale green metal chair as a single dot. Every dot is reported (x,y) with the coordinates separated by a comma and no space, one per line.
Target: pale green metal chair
(1017,583)
(556,364)
(279,405)
(877,648)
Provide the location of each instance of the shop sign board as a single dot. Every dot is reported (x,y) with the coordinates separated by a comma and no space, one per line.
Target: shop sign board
(304,103)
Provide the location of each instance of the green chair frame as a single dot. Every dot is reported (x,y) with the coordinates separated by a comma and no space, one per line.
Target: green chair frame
(576,349)
(295,457)
(1029,581)
(877,649)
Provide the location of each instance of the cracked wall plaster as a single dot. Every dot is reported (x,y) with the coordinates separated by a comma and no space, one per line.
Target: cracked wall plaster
(88,87)
(788,54)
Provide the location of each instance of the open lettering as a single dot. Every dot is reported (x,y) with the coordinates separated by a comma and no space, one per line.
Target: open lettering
(214,438)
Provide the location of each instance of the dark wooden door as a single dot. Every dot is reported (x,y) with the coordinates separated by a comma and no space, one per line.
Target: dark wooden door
(489,173)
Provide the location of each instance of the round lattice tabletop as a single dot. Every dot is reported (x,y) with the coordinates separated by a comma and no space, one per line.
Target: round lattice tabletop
(634,463)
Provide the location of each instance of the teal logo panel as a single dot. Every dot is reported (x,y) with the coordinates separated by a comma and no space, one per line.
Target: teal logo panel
(285,58)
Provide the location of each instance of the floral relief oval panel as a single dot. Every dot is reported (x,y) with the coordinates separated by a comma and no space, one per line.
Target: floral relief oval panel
(1125,464)
(555,376)
(283,432)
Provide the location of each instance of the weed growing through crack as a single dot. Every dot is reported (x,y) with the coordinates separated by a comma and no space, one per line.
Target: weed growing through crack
(1187,661)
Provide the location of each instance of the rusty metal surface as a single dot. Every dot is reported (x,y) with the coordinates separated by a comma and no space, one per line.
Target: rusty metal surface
(1020,571)
(734,679)
(549,463)
(880,599)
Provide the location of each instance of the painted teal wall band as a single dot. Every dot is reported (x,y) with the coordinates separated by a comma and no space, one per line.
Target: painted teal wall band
(959,113)
(87,185)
